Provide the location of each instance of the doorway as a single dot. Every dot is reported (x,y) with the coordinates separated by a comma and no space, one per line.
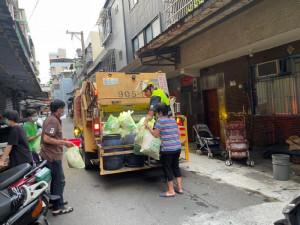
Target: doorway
(211,111)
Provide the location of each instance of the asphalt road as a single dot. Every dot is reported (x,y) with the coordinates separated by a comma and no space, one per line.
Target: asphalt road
(133,198)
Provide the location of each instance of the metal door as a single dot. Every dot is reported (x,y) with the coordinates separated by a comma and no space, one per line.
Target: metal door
(211,105)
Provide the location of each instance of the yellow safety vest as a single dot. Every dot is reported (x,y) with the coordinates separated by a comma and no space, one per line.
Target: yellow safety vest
(160,93)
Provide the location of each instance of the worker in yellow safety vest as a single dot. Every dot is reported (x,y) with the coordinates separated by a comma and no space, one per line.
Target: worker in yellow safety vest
(156,96)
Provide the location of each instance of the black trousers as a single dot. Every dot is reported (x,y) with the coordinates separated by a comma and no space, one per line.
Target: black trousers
(170,165)
(57,183)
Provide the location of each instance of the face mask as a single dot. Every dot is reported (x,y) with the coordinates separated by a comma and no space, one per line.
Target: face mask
(35,119)
(63,113)
(6,122)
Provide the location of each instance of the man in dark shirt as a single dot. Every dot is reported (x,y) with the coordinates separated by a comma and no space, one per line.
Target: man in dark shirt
(52,143)
(17,145)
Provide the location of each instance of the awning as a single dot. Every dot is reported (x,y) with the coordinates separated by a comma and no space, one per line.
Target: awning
(16,69)
(207,15)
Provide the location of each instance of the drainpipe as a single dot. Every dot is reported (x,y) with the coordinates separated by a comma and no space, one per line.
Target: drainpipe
(125,32)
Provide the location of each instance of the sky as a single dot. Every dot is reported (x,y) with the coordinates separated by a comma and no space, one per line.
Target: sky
(50,20)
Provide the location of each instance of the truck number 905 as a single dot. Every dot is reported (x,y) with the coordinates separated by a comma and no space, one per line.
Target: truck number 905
(127,94)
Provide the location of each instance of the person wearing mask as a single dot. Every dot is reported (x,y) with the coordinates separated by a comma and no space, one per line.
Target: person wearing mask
(52,143)
(31,130)
(167,129)
(17,145)
(156,96)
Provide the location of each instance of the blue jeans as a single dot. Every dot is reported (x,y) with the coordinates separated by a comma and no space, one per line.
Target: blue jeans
(57,183)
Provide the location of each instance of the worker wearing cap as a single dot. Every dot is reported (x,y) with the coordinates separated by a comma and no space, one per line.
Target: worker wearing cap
(156,96)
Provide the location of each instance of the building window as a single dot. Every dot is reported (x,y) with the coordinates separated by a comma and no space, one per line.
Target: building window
(156,27)
(277,94)
(141,40)
(132,3)
(105,25)
(135,45)
(147,34)
(120,55)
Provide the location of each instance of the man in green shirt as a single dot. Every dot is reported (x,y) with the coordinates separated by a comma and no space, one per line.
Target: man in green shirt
(31,130)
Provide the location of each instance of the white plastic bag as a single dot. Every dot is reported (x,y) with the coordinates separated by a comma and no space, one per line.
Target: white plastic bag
(150,145)
(74,158)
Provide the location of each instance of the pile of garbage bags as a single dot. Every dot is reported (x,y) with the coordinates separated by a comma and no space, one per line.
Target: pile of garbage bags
(144,143)
(122,125)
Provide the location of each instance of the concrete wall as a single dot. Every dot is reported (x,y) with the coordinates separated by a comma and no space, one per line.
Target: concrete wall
(261,130)
(267,20)
(138,18)
(117,40)
(65,87)
(96,45)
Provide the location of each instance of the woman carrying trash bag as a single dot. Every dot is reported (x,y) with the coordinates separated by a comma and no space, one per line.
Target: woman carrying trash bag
(167,129)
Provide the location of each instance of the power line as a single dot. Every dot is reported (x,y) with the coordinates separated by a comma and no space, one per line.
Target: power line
(34,8)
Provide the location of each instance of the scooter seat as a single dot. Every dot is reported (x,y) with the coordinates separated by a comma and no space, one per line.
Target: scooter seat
(12,175)
(5,205)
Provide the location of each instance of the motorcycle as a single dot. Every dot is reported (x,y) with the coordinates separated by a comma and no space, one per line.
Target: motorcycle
(23,205)
(25,174)
(291,212)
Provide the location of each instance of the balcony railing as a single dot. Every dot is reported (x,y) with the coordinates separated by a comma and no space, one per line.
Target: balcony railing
(176,9)
(105,25)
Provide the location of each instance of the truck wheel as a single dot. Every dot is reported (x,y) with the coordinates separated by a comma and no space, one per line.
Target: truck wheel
(85,157)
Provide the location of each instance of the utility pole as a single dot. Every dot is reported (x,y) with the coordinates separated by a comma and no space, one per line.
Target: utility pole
(80,38)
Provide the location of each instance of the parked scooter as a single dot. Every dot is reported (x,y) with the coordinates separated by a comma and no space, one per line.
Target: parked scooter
(25,174)
(23,205)
(291,212)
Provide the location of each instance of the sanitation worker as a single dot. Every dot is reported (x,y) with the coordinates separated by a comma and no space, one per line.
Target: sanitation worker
(156,96)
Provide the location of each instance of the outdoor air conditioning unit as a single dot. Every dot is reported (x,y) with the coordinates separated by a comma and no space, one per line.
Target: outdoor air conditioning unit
(268,68)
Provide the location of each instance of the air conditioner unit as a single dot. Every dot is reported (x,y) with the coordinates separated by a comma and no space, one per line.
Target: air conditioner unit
(268,68)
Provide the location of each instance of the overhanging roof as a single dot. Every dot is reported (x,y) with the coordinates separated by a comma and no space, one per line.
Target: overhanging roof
(16,71)
(201,19)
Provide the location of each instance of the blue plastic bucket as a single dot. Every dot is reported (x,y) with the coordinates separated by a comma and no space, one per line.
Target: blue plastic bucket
(112,162)
(132,160)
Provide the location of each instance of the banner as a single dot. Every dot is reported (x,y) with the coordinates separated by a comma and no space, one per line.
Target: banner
(186,81)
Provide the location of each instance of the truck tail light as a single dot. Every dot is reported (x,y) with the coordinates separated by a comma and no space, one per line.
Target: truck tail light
(96,127)
(95,93)
(179,122)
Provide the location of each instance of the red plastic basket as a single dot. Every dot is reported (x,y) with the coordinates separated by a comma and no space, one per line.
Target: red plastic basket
(76,141)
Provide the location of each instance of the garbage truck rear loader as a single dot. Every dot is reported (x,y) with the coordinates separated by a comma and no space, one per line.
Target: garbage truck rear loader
(110,93)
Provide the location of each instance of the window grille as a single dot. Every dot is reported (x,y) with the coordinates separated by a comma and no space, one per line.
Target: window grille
(108,61)
(105,25)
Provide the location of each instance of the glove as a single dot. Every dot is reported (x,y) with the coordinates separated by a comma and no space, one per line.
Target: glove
(148,119)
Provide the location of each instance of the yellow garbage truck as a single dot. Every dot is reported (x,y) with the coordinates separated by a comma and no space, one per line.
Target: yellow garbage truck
(107,94)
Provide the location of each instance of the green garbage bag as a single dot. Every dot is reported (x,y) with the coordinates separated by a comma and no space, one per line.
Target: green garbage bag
(126,121)
(122,132)
(112,125)
(37,145)
(140,131)
(150,145)
(74,158)
(139,140)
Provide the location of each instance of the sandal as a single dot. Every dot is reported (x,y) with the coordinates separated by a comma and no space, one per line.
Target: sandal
(64,203)
(179,192)
(63,211)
